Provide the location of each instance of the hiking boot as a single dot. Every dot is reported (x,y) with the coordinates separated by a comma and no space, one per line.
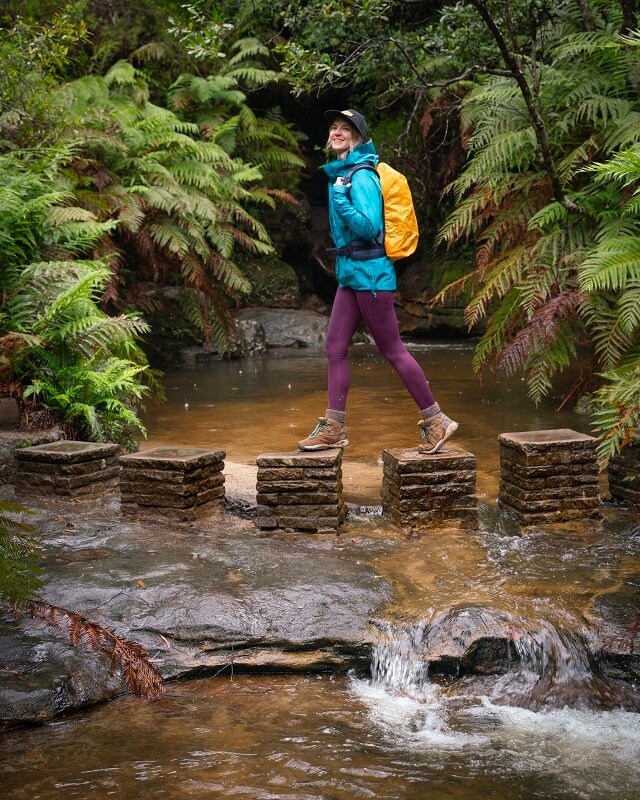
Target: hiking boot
(327,433)
(435,431)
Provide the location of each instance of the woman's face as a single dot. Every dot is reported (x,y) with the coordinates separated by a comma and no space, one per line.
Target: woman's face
(342,137)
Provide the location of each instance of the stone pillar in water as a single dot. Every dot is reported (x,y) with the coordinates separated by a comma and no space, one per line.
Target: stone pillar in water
(424,491)
(624,473)
(76,470)
(300,491)
(178,484)
(548,476)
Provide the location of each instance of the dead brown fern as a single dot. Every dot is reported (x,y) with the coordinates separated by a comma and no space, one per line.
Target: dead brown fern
(541,329)
(140,676)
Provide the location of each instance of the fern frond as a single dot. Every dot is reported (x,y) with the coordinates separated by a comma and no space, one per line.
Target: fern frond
(498,329)
(139,673)
(616,415)
(629,309)
(499,279)
(611,265)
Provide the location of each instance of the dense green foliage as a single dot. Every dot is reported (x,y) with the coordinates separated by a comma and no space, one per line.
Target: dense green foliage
(112,199)
(557,269)
(58,347)
(177,201)
(499,110)
(19,554)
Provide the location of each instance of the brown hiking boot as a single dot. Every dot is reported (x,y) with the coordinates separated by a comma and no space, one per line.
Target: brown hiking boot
(435,431)
(327,433)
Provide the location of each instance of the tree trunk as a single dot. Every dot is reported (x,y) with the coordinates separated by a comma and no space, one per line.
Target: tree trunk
(629,15)
(514,66)
(587,15)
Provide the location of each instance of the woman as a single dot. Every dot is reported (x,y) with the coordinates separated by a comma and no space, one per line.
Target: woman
(366,282)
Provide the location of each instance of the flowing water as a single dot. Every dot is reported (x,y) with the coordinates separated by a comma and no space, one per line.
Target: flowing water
(551,727)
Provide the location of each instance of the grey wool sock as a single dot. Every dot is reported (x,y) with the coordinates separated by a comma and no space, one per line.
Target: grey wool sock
(427,413)
(339,416)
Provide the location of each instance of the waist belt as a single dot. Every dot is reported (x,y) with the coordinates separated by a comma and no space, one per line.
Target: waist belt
(359,250)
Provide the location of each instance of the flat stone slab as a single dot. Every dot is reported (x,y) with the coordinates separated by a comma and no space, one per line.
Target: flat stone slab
(180,483)
(173,458)
(227,597)
(422,491)
(67,452)
(11,441)
(544,440)
(409,460)
(548,476)
(301,458)
(67,469)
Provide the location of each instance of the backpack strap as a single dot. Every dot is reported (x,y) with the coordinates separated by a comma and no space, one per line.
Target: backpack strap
(361,249)
(357,168)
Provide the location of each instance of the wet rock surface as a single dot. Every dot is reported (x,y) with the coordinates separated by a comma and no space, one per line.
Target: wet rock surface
(287,327)
(214,595)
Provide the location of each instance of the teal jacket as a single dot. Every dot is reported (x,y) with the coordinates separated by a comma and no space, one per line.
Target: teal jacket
(357,213)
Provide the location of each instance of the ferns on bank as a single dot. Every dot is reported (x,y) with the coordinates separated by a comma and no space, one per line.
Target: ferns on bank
(60,351)
(181,204)
(557,285)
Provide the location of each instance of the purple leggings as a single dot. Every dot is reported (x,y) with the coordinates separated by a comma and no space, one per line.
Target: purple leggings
(377,311)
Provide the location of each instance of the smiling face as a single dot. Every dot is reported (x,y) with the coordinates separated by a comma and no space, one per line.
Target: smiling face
(342,137)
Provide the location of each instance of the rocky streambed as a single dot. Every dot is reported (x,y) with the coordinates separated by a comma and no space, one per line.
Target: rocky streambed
(219,596)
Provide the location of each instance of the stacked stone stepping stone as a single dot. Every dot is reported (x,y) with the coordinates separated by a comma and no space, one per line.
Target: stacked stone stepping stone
(424,491)
(300,491)
(172,483)
(624,473)
(548,476)
(70,469)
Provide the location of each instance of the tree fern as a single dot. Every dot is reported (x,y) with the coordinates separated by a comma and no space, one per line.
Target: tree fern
(181,201)
(554,278)
(611,264)
(616,405)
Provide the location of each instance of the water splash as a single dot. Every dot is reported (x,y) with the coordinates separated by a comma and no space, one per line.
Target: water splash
(556,669)
(367,511)
(398,661)
(400,697)
(513,661)
(547,670)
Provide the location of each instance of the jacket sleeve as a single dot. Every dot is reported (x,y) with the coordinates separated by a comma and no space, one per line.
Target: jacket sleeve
(360,207)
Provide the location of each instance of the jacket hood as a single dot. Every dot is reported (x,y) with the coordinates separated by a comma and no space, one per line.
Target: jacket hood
(362,154)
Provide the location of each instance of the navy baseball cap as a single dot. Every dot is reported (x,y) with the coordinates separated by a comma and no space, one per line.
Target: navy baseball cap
(353,117)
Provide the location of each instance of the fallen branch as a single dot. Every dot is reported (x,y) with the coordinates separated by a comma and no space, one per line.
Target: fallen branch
(140,675)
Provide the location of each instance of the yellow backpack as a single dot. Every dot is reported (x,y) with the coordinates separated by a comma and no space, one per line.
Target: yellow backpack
(400,223)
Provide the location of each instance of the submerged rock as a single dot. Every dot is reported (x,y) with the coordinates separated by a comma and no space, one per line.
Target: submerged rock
(218,596)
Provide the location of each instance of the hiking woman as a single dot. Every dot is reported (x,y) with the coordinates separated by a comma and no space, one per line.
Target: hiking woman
(366,283)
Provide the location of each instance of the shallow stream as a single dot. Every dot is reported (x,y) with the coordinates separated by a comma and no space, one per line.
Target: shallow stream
(554,728)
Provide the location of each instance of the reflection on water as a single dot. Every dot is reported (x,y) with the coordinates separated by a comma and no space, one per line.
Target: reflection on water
(397,734)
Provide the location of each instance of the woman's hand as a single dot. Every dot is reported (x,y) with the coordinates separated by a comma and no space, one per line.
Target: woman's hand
(339,181)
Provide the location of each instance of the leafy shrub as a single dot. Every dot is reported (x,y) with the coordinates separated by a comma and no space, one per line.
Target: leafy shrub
(58,347)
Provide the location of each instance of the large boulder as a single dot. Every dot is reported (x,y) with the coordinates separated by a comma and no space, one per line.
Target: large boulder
(287,327)
(213,596)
